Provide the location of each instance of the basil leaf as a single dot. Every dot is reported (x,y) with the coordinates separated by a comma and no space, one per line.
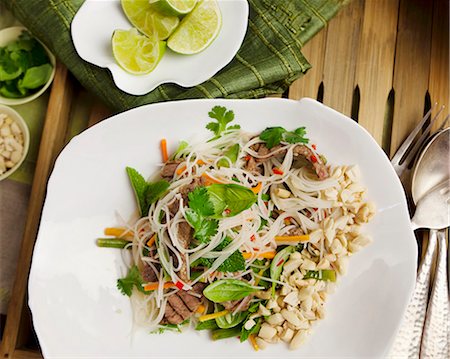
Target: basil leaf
(230,320)
(228,289)
(36,77)
(276,267)
(209,324)
(234,197)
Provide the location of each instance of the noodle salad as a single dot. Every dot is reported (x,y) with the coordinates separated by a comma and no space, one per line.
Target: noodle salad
(244,234)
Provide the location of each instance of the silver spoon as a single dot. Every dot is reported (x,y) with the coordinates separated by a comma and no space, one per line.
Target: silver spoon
(431,168)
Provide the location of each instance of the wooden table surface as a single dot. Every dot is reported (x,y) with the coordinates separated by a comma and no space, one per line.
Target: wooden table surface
(381,62)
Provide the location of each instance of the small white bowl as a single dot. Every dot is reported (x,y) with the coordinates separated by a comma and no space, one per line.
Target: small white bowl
(9,35)
(26,137)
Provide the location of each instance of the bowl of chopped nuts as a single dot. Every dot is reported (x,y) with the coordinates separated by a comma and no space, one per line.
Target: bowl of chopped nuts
(14,141)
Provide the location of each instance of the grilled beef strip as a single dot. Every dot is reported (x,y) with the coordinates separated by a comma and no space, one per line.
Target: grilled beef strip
(299,150)
(185,235)
(182,305)
(148,274)
(169,169)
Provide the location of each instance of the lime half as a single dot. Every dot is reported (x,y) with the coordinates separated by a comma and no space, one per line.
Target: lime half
(136,53)
(148,20)
(174,7)
(198,29)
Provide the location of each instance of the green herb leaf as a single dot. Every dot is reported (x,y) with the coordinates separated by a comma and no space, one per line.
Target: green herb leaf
(229,320)
(223,117)
(36,77)
(155,191)
(228,289)
(181,147)
(253,330)
(139,185)
(232,154)
(204,228)
(225,333)
(209,324)
(145,193)
(276,267)
(274,135)
(200,202)
(133,278)
(234,263)
(234,197)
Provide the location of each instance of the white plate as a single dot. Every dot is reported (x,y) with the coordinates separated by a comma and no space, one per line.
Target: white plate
(79,313)
(96,20)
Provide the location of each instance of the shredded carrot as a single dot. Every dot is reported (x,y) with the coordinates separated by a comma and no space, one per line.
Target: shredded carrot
(151,241)
(155,285)
(165,156)
(206,317)
(201,309)
(257,188)
(183,168)
(252,340)
(210,180)
(119,232)
(267,255)
(302,238)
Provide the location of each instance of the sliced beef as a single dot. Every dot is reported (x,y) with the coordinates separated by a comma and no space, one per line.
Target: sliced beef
(171,316)
(319,167)
(185,233)
(185,190)
(178,305)
(169,169)
(251,165)
(296,232)
(182,305)
(268,153)
(148,274)
(242,304)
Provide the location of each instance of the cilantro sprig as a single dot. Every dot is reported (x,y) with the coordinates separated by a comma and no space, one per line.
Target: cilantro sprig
(133,279)
(274,135)
(201,207)
(223,117)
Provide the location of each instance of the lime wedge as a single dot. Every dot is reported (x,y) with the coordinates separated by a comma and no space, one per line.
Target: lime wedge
(174,7)
(148,20)
(198,29)
(136,53)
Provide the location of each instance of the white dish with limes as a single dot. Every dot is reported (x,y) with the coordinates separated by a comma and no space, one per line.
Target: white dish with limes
(102,34)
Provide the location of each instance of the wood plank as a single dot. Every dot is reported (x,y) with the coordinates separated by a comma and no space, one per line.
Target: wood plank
(98,112)
(52,140)
(375,63)
(439,66)
(26,354)
(412,64)
(341,56)
(314,52)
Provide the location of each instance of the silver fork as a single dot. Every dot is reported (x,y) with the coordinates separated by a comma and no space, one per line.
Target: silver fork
(408,340)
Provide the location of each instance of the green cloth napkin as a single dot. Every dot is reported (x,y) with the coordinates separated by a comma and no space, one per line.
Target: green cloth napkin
(268,61)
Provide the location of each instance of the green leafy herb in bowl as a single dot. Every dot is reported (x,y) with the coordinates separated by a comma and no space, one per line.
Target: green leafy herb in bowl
(26,66)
